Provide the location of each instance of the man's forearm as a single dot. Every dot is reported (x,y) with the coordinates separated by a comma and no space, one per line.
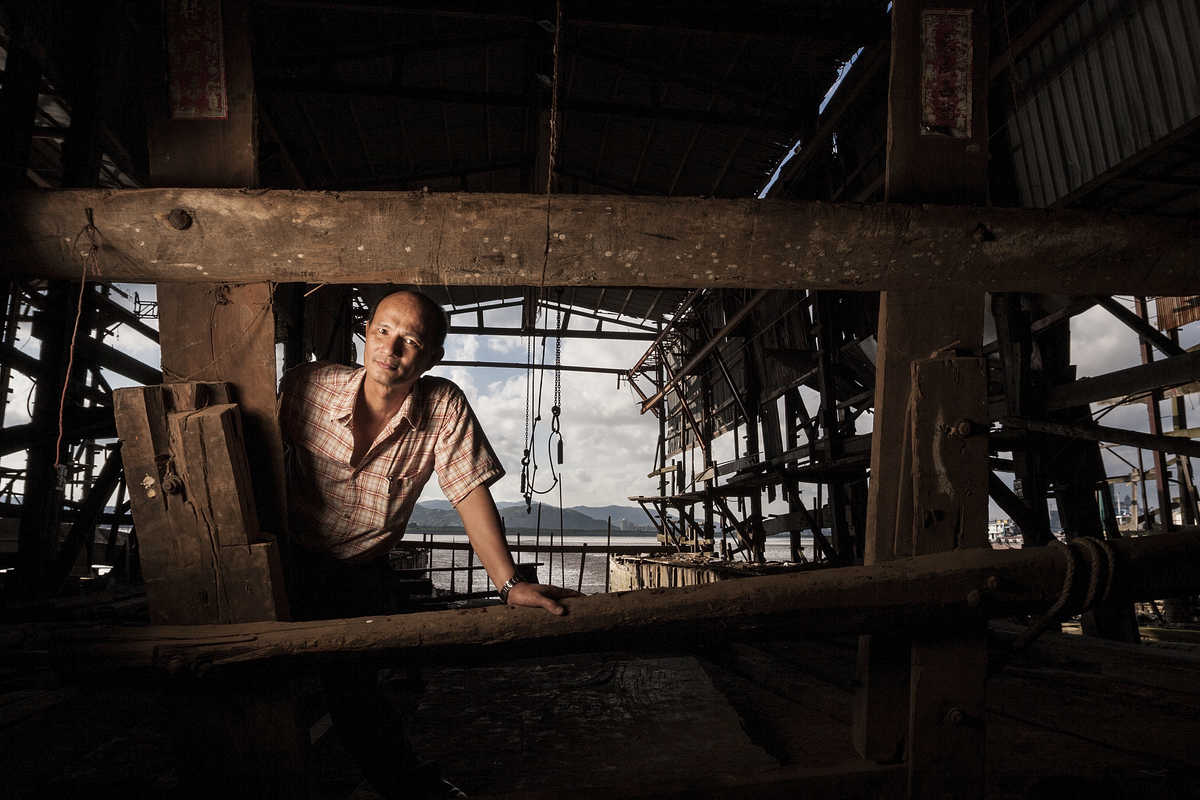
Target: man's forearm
(482,523)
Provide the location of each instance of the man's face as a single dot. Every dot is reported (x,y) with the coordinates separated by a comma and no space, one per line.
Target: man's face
(399,344)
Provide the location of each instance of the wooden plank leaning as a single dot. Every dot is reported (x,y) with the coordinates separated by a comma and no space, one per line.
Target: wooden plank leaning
(203,555)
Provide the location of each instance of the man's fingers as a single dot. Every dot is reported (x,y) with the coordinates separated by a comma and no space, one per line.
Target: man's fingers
(550,604)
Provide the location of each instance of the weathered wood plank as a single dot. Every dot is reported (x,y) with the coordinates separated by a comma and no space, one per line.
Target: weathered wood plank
(414,237)
(180,570)
(1112,386)
(907,331)
(924,592)
(253,578)
(949,466)
(948,671)
(1102,433)
(211,459)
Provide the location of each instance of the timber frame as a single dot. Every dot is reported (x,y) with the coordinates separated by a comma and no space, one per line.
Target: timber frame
(466,239)
(909,573)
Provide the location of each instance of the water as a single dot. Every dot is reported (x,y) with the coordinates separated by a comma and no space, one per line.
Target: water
(563,569)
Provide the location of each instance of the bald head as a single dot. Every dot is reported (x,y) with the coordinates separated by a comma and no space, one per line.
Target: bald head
(435,317)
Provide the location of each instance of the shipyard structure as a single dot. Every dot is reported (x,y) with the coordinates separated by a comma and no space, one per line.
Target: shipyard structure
(884,271)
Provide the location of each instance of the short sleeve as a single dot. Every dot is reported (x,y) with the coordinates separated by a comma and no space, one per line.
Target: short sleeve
(463,457)
(289,402)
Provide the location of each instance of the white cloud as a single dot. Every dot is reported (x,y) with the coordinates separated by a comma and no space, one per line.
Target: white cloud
(608,444)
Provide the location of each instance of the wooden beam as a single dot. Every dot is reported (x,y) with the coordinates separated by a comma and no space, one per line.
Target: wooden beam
(1145,331)
(735,320)
(1103,433)
(924,592)
(488,239)
(1124,382)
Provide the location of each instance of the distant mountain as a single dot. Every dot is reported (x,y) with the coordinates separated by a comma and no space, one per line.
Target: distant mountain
(440,514)
(623,517)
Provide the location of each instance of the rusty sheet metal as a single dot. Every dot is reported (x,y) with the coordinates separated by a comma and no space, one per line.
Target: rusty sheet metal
(1111,80)
(1175,312)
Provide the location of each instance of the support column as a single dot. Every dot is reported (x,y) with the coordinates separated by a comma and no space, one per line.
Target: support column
(250,739)
(937,152)
(221,332)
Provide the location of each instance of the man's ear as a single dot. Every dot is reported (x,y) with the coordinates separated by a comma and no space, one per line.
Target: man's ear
(437,356)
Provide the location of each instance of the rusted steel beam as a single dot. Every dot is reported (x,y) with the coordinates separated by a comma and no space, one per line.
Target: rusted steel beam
(929,592)
(596,240)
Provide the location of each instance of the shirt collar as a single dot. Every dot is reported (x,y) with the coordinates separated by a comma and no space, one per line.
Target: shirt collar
(342,406)
(343,400)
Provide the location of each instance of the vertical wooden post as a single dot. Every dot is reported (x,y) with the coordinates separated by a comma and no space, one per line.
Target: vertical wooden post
(608,554)
(1166,521)
(937,151)
(214,332)
(582,563)
(224,333)
(950,475)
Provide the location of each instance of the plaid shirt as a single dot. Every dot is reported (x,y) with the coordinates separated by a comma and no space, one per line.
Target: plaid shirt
(356,513)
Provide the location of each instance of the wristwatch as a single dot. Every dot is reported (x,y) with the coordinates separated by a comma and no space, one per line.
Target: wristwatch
(508,584)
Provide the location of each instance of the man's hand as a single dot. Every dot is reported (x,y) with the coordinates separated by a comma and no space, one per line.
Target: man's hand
(539,595)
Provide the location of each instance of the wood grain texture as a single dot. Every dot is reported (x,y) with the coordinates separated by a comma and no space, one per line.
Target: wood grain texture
(488,239)
(925,592)
(215,333)
(949,470)
(210,457)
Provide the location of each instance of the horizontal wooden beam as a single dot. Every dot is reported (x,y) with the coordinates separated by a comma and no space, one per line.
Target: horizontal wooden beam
(1135,380)
(596,240)
(1102,433)
(928,592)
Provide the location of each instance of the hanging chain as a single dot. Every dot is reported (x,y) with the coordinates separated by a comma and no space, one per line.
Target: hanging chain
(526,484)
(556,409)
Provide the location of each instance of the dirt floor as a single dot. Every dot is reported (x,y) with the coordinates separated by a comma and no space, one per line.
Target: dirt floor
(775,714)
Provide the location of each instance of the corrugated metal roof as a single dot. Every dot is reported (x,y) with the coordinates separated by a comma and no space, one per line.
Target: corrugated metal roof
(1112,80)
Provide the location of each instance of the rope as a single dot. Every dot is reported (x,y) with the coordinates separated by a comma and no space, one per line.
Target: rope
(91,266)
(1098,552)
(1051,616)
(553,155)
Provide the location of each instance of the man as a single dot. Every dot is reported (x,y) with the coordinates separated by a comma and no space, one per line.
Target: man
(361,444)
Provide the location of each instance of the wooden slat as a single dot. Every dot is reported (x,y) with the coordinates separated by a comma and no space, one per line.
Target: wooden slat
(414,237)
(1115,385)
